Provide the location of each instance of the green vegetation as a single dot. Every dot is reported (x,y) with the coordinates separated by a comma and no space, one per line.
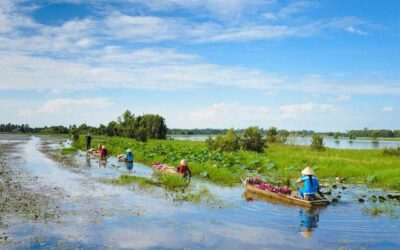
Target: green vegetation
(392,151)
(317,143)
(203,195)
(168,181)
(387,209)
(66,151)
(279,161)
(251,140)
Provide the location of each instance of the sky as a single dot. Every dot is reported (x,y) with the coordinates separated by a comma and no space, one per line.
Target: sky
(320,65)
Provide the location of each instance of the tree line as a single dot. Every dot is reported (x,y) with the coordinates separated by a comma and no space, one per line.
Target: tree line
(142,127)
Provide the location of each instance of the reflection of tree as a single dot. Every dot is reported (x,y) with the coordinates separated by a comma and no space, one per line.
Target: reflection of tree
(375,144)
(309,219)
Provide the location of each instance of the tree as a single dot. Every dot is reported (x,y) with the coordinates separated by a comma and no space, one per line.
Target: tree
(317,143)
(375,134)
(336,135)
(226,143)
(252,140)
(284,134)
(351,136)
(272,132)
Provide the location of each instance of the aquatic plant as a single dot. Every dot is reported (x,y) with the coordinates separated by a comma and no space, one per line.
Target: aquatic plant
(227,167)
(272,188)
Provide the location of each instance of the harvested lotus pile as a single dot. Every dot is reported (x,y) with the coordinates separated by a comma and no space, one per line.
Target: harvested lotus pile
(160,166)
(260,184)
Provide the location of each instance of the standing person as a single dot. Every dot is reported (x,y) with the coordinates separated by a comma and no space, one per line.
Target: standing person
(88,141)
(183,169)
(129,155)
(311,184)
(103,153)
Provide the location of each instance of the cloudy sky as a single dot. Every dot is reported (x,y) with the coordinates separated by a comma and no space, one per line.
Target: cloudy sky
(322,65)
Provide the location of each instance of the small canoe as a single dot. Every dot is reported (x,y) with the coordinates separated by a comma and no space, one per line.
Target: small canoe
(288,199)
(165,169)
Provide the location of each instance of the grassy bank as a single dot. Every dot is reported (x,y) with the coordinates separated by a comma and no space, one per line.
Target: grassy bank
(279,162)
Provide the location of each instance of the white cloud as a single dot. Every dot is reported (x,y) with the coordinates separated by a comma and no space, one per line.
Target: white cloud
(351,29)
(292,8)
(387,109)
(93,111)
(225,115)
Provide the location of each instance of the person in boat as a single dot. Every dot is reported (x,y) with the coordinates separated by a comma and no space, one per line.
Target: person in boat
(128,157)
(183,169)
(311,184)
(103,153)
(88,141)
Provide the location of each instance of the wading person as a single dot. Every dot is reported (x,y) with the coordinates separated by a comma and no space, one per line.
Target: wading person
(183,169)
(128,157)
(311,184)
(88,141)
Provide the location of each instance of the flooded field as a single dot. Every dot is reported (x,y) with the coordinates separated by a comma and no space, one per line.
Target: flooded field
(341,143)
(54,202)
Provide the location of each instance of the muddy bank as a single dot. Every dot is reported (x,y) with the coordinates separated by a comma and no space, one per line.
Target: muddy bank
(20,199)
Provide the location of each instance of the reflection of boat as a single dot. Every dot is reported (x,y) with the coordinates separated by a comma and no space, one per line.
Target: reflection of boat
(287,199)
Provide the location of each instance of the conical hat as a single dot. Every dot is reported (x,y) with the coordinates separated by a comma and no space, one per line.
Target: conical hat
(307,171)
(306,234)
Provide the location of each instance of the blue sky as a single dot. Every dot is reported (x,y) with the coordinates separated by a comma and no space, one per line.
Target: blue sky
(321,65)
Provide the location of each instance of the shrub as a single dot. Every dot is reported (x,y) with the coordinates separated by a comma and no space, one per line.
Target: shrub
(225,143)
(317,143)
(392,151)
(252,140)
(271,135)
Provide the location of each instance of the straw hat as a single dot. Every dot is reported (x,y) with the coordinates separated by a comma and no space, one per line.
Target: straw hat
(306,234)
(307,171)
(183,162)
(103,147)
(129,150)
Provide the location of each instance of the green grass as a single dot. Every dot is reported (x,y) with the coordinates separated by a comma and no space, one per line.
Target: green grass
(279,161)
(66,151)
(167,181)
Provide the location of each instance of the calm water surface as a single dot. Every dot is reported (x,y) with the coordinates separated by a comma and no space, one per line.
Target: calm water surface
(98,215)
(328,142)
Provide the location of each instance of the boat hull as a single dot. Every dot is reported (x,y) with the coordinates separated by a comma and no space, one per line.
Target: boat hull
(287,199)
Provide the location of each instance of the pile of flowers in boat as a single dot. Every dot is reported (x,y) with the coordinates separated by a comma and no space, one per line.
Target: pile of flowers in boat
(260,184)
(161,166)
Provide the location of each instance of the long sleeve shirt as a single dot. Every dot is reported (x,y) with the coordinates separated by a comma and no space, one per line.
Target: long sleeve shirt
(311,186)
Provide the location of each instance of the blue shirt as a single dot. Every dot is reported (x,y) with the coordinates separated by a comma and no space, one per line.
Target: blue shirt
(129,156)
(310,186)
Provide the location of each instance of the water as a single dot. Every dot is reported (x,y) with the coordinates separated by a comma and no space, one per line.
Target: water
(328,142)
(98,215)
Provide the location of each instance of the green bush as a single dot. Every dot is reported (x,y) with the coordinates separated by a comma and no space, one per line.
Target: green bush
(225,143)
(392,151)
(317,143)
(252,140)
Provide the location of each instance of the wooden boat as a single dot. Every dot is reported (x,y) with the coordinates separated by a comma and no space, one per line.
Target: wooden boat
(292,199)
(166,169)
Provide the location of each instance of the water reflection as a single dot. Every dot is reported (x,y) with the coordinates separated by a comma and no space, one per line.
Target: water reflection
(87,163)
(375,144)
(129,166)
(309,219)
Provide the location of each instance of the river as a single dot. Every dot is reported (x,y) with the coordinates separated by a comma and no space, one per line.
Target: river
(342,143)
(87,213)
